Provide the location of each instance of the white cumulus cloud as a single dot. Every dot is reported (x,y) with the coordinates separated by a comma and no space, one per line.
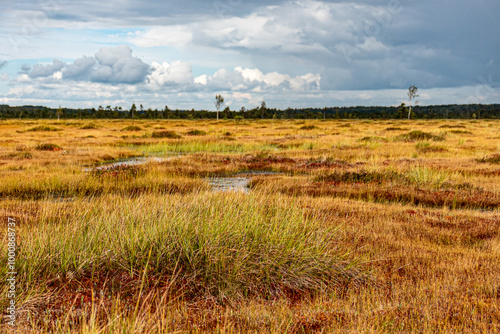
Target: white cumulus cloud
(176,73)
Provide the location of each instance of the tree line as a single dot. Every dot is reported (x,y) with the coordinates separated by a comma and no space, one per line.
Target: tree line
(462,111)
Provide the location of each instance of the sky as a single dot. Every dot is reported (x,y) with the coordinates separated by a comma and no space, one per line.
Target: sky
(296,54)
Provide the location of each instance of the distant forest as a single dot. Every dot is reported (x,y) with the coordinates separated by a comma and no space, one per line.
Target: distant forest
(464,111)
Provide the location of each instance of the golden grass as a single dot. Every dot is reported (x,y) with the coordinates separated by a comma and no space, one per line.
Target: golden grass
(372,227)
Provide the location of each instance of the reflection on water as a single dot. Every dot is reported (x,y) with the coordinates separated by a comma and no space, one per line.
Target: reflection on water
(238,182)
(131,162)
(229,183)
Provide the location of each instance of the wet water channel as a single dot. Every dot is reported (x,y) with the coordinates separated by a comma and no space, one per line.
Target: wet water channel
(238,182)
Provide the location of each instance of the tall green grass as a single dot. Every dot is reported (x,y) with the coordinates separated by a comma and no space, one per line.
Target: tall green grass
(77,183)
(225,245)
(212,147)
(424,176)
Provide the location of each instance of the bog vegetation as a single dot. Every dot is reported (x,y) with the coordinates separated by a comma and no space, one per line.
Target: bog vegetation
(343,225)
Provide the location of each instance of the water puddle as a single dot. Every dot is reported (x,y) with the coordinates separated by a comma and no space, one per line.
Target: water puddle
(229,183)
(238,182)
(132,162)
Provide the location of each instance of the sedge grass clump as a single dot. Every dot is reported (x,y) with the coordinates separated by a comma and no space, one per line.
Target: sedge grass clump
(131,128)
(374,139)
(43,128)
(165,134)
(25,155)
(118,172)
(196,133)
(426,147)
(21,148)
(461,132)
(452,126)
(206,245)
(358,177)
(494,159)
(424,176)
(420,135)
(48,147)
(89,126)
(346,125)
(309,127)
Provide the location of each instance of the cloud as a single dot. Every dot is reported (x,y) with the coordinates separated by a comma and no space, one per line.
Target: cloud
(109,65)
(162,36)
(176,73)
(81,68)
(25,68)
(116,65)
(40,70)
(283,50)
(308,81)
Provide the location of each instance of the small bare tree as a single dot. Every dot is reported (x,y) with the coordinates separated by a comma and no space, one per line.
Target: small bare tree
(263,108)
(412,94)
(219,102)
(59,113)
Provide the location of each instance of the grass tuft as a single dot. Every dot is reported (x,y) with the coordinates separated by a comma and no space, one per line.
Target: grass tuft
(425,147)
(131,128)
(420,135)
(374,139)
(43,128)
(357,177)
(166,134)
(89,126)
(220,246)
(461,132)
(196,133)
(48,147)
(309,127)
(494,159)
